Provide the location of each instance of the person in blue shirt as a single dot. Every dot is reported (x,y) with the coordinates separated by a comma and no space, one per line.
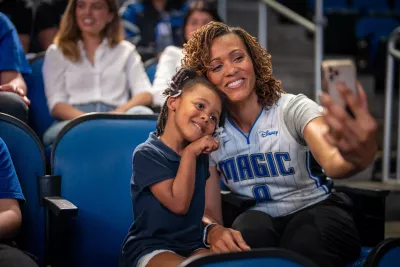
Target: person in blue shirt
(152,25)
(169,176)
(13,64)
(10,213)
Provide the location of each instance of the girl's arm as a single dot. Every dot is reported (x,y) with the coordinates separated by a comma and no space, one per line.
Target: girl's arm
(176,193)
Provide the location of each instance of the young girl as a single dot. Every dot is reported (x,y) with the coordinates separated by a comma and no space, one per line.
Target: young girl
(169,176)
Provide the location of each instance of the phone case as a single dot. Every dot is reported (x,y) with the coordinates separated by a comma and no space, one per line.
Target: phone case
(334,71)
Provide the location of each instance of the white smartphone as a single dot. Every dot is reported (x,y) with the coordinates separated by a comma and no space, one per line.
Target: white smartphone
(340,70)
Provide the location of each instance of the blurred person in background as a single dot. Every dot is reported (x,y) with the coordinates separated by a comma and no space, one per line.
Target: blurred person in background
(13,63)
(10,213)
(90,68)
(200,13)
(152,25)
(21,15)
(47,20)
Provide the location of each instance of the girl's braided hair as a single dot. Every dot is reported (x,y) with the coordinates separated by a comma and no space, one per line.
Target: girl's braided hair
(197,57)
(183,81)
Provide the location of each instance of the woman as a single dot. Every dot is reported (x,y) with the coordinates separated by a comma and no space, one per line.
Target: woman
(265,153)
(89,68)
(200,13)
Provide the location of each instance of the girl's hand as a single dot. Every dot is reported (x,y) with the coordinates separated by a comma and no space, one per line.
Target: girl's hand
(206,144)
(355,137)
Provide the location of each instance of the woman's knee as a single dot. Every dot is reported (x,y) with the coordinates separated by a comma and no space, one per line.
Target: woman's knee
(257,228)
(12,104)
(326,234)
(143,110)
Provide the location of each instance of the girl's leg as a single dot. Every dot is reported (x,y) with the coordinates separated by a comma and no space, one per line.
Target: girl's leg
(203,251)
(50,135)
(165,259)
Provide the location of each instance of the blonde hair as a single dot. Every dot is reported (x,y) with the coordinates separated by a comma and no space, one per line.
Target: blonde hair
(197,57)
(69,32)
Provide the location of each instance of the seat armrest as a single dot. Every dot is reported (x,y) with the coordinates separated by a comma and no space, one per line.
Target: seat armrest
(368,192)
(369,199)
(60,207)
(237,201)
(233,205)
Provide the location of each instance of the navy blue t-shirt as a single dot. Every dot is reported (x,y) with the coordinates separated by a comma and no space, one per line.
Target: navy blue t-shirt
(9,184)
(155,226)
(12,56)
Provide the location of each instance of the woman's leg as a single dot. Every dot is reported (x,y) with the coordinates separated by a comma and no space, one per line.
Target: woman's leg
(12,257)
(50,135)
(139,110)
(324,233)
(166,258)
(258,229)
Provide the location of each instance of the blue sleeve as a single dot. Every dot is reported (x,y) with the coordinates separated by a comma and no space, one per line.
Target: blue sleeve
(9,184)
(150,167)
(12,56)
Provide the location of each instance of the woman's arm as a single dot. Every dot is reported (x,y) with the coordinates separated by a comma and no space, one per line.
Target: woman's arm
(138,82)
(221,239)
(341,144)
(65,112)
(141,99)
(54,68)
(10,218)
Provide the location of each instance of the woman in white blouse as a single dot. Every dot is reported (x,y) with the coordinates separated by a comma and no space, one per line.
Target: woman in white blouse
(89,68)
(200,13)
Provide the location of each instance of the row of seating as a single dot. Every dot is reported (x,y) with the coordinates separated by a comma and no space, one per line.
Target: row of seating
(91,170)
(360,6)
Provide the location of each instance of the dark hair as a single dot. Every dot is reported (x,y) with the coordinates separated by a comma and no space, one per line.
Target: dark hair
(170,5)
(183,80)
(207,6)
(197,57)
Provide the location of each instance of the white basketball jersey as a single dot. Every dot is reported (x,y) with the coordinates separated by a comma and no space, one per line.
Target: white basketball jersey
(268,164)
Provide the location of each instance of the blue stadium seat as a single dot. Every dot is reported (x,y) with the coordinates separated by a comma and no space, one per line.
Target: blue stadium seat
(372,29)
(385,254)
(254,258)
(151,67)
(39,115)
(93,156)
(331,5)
(370,6)
(28,157)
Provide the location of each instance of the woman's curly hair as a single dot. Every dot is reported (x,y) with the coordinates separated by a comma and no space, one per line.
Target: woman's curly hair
(197,57)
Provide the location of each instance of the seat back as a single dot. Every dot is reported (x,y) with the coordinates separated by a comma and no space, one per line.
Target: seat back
(28,157)
(385,254)
(93,155)
(151,67)
(253,258)
(39,115)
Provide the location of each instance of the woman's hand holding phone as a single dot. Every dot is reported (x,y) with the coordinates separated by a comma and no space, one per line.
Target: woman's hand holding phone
(354,136)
